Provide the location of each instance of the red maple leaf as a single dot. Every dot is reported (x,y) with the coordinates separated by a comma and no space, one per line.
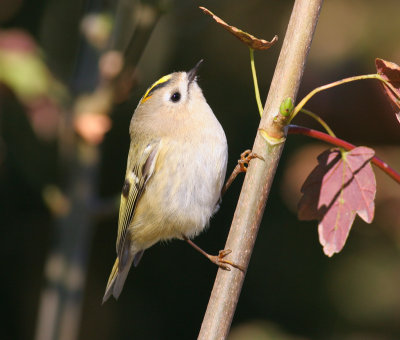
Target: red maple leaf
(390,72)
(340,186)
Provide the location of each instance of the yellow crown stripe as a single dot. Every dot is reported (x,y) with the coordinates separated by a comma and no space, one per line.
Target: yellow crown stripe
(160,81)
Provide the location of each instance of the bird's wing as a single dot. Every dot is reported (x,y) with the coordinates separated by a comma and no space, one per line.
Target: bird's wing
(138,173)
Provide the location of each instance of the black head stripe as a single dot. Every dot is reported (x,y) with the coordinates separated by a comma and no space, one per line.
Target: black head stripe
(154,88)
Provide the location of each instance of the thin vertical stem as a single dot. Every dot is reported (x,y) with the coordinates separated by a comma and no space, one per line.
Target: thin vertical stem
(319,120)
(255,81)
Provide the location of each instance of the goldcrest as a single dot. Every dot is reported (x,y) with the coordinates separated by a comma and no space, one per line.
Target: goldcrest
(175,171)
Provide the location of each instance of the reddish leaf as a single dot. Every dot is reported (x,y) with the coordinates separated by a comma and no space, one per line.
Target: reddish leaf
(248,39)
(17,40)
(390,72)
(337,189)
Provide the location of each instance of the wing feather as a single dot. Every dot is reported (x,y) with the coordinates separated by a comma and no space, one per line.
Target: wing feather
(136,178)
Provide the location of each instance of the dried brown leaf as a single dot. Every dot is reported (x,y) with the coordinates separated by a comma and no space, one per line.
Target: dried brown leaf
(250,40)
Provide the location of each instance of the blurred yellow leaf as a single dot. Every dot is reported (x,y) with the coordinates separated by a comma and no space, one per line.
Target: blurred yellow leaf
(24,73)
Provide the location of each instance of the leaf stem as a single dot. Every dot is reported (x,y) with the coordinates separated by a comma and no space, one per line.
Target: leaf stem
(319,120)
(300,105)
(255,81)
(301,130)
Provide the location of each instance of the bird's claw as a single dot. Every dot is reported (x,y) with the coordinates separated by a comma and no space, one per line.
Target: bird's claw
(221,262)
(245,158)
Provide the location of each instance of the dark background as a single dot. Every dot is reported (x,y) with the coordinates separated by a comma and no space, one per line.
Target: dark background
(292,290)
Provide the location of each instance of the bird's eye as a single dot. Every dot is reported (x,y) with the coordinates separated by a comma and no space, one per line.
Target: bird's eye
(176,97)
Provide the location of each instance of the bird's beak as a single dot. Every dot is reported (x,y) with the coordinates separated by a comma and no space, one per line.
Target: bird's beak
(193,72)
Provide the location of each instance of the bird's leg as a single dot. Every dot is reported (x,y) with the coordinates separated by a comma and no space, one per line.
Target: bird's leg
(242,165)
(217,259)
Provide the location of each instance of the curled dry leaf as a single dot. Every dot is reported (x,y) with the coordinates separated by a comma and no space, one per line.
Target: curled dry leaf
(338,188)
(250,40)
(390,72)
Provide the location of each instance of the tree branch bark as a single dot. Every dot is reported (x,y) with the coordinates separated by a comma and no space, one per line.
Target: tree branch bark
(258,180)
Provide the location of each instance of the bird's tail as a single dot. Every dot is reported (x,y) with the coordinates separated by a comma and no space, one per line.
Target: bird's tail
(117,279)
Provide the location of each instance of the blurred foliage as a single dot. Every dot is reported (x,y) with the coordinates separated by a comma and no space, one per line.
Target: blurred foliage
(24,72)
(291,288)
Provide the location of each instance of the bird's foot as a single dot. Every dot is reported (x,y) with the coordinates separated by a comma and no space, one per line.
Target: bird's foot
(243,162)
(219,259)
(221,262)
(245,158)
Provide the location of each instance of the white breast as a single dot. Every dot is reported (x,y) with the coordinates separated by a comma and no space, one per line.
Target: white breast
(191,198)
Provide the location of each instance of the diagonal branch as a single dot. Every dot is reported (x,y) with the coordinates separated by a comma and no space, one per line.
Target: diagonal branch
(258,180)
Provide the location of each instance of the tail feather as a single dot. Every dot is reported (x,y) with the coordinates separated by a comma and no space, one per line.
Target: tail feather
(117,279)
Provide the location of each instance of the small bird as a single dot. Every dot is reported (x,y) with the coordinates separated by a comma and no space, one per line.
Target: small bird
(175,172)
